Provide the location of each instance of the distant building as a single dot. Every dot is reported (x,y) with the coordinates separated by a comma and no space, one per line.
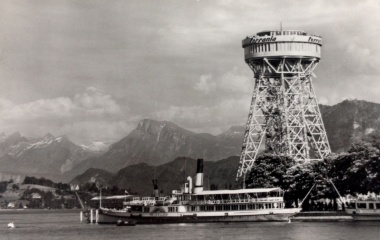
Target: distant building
(36,196)
(11,205)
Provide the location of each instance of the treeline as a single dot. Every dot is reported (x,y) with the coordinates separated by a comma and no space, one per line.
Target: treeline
(354,172)
(3,186)
(47,199)
(46,182)
(93,187)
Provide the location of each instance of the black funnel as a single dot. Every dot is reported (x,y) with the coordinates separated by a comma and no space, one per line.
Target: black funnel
(200,166)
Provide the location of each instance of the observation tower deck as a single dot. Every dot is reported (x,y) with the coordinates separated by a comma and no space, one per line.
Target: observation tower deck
(281,44)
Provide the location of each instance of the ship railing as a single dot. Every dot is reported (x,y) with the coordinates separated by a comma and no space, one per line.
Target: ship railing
(370,196)
(138,202)
(229,201)
(141,202)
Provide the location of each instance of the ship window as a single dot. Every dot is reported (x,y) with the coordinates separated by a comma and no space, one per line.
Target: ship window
(371,206)
(377,205)
(243,207)
(172,209)
(218,207)
(234,207)
(362,205)
(226,207)
(210,208)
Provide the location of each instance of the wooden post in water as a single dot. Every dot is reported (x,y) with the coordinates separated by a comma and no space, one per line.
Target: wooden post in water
(81,216)
(91,216)
(96,215)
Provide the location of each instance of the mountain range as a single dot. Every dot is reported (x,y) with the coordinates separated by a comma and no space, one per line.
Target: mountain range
(138,178)
(155,143)
(48,156)
(349,121)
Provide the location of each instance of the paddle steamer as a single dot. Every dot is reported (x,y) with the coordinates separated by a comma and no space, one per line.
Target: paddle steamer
(195,205)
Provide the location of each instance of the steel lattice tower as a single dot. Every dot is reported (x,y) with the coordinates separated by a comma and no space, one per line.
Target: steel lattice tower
(284,116)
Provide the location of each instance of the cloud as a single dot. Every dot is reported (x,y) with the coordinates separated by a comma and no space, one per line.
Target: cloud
(236,81)
(88,104)
(93,102)
(88,115)
(205,84)
(233,81)
(41,109)
(212,119)
(180,61)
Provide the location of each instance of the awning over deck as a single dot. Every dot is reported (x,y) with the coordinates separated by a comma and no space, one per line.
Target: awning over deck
(240,191)
(112,197)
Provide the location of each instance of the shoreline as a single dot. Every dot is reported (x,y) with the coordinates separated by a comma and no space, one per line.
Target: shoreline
(42,211)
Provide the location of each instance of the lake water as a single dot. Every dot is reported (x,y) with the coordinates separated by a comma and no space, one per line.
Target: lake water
(54,225)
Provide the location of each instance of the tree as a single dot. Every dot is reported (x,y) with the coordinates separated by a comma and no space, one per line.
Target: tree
(270,170)
(358,170)
(3,186)
(15,187)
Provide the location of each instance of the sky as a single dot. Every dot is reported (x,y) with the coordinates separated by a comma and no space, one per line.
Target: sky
(91,70)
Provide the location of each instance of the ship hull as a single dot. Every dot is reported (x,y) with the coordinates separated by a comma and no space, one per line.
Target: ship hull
(280,215)
(364,214)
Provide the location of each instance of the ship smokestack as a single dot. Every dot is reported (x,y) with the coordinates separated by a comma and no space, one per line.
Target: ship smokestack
(155,188)
(190,184)
(199,177)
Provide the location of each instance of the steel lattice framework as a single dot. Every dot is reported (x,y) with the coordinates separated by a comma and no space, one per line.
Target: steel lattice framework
(284,116)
